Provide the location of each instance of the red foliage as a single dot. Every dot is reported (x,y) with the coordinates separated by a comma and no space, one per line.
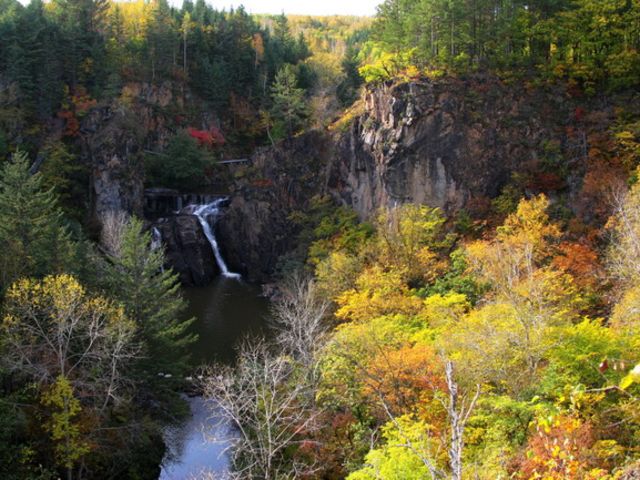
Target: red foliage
(209,138)
(546,182)
(579,114)
(331,445)
(262,183)
(72,125)
(78,104)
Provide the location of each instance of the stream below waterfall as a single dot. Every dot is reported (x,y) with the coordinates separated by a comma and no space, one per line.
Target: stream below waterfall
(225,311)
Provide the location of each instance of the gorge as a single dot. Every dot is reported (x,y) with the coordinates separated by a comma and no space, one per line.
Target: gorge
(226,311)
(263,247)
(453,144)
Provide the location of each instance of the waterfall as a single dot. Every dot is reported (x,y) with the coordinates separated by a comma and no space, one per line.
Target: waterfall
(156,238)
(203,213)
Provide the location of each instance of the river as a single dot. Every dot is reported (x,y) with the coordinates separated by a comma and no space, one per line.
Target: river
(225,312)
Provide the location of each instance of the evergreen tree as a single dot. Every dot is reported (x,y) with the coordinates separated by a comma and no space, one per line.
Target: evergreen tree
(34,240)
(135,275)
(347,90)
(289,104)
(82,23)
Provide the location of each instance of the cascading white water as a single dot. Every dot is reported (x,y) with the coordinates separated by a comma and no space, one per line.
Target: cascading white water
(203,213)
(156,238)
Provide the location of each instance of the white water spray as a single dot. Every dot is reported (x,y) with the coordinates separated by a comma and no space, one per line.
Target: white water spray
(156,239)
(203,213)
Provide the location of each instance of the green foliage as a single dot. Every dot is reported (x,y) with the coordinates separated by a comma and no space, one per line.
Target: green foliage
(347,90)
(400,457)
(497,429)
(18,453)
(182,165)
(4,146)
(289,104)
(409,240)
(135,276)
(99,46)
(577,360)
(385,66)
(508,311)
(589,41)
(32,233)
(457,279)
(339,229)
(507,201)
(63,172)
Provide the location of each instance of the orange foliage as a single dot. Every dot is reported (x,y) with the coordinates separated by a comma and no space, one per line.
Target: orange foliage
(562,449)
(580,261)
(72,125)
(605,175)
(406,378)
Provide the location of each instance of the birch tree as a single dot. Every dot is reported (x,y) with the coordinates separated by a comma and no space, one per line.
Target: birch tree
(53,328)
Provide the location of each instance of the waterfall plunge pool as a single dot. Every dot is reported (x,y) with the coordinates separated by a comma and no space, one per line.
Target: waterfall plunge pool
(226,311)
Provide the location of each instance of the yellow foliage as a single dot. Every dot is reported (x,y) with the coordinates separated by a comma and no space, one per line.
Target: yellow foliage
(530,224)
(348,117)
(53,326)
(355,345)
(498,344)
(548,294)
(384,66)
(444,310)
(377,293)
(408,237)
(520,246)
(65,433)
(337,273)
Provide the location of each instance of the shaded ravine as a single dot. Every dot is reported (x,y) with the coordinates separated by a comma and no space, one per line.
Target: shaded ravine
(226,311)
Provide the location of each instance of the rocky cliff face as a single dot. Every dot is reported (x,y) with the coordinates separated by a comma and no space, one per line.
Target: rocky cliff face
(114,147)
(256,228)
(116,137)
(187,250)
(186,247)
(441,143)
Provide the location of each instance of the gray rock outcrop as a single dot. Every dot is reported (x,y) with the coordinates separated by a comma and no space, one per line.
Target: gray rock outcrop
(187,250)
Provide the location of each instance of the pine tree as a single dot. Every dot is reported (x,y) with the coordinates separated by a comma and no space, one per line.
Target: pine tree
(289,105)
(150,294)
(34,240)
